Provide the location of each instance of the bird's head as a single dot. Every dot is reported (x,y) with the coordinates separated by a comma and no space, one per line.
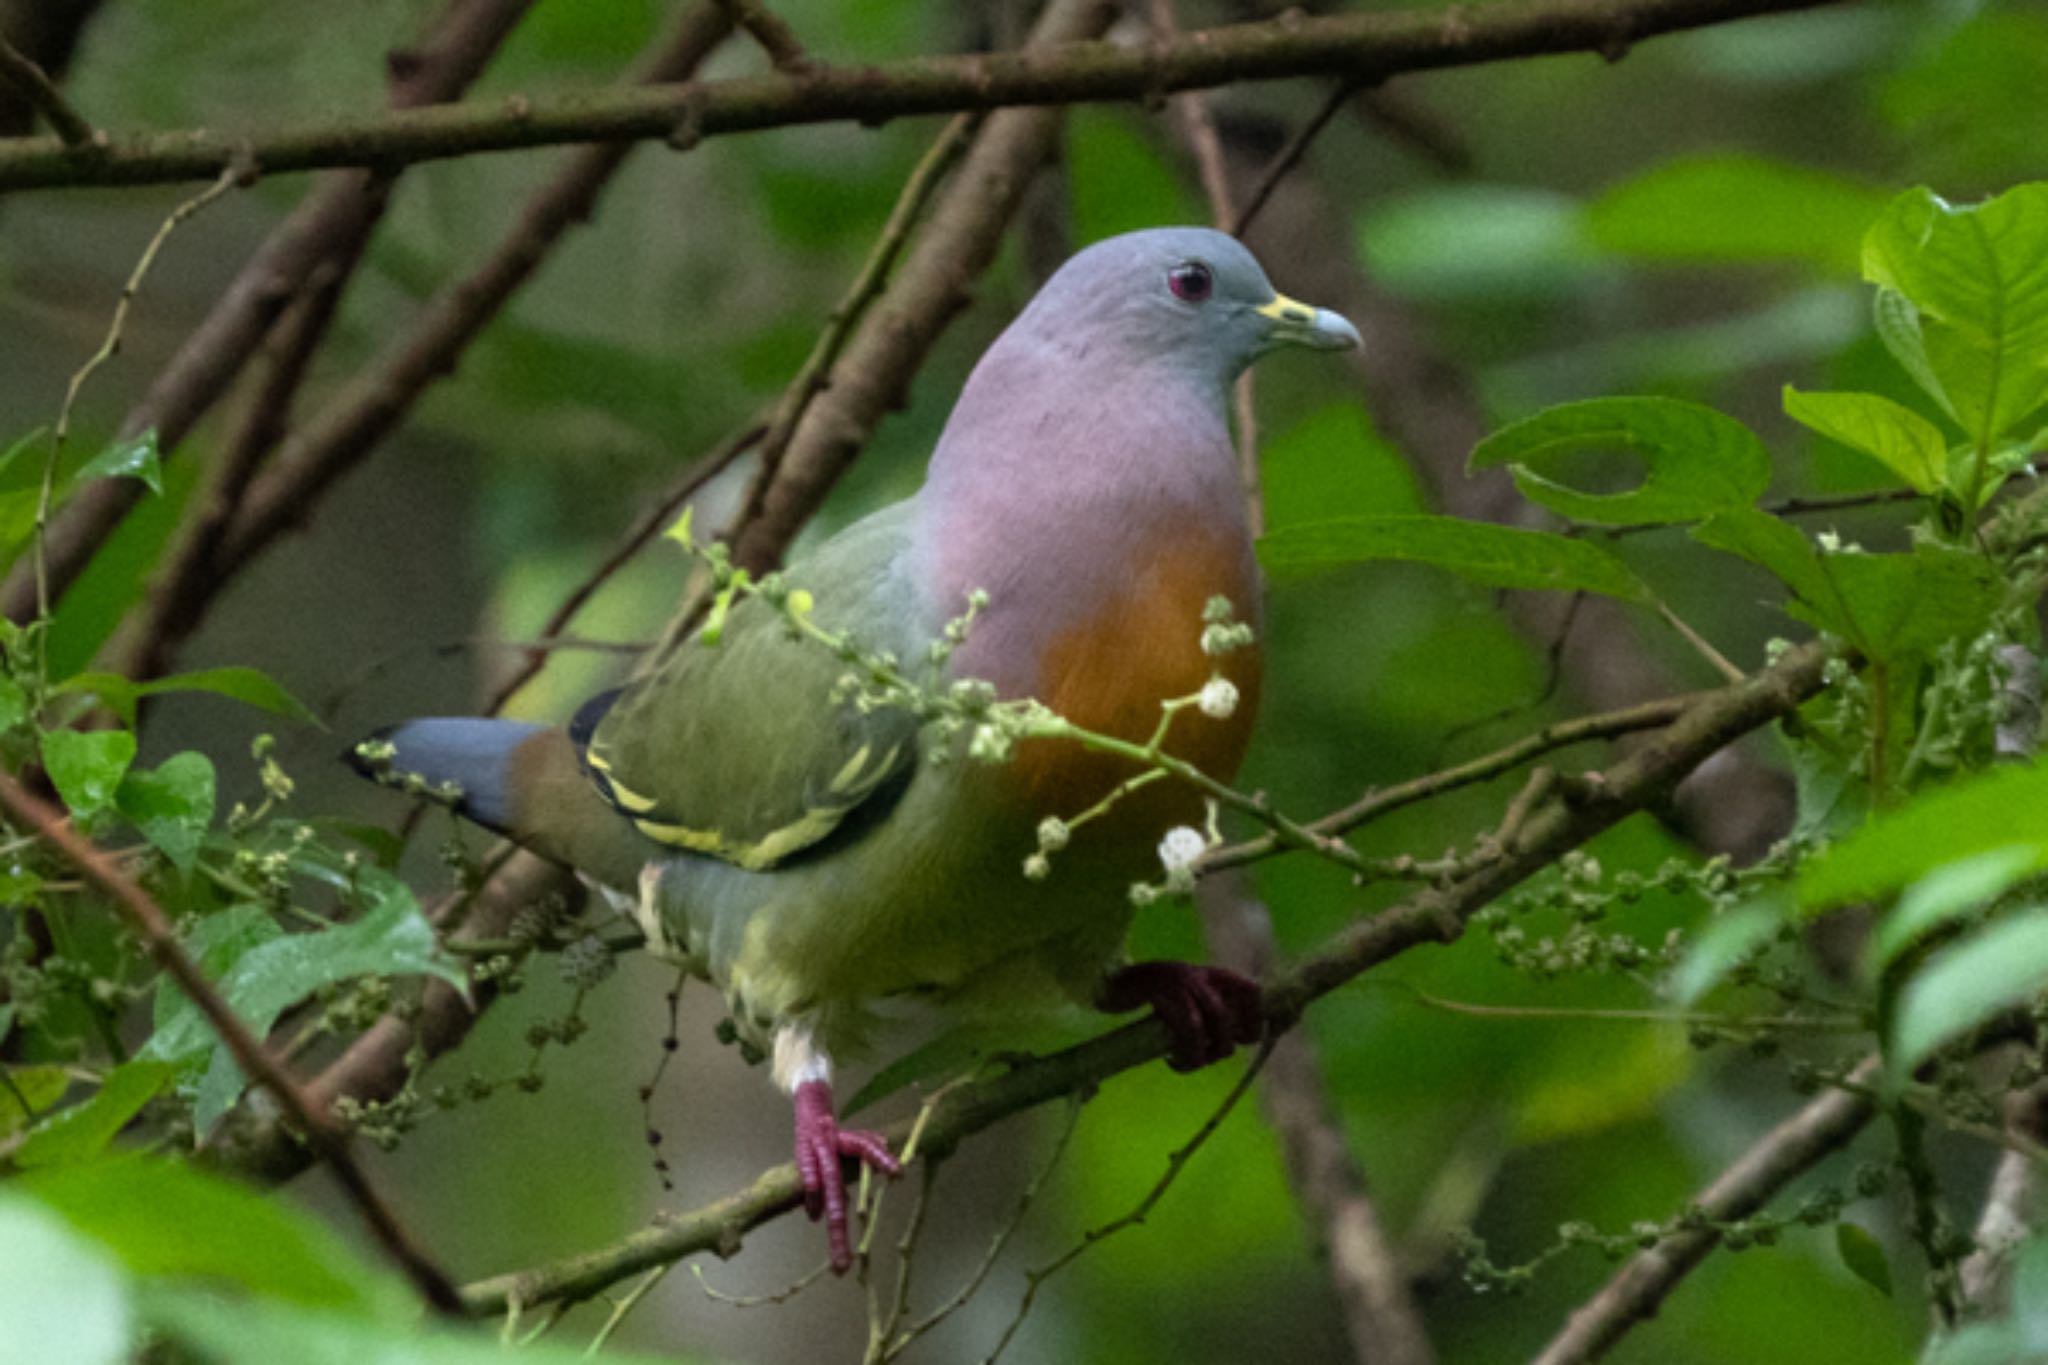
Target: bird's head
(1194,298)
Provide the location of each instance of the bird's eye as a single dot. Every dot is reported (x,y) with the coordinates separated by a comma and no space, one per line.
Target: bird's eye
(1191,281)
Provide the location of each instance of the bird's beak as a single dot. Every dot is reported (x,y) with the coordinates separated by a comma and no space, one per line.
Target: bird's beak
(1302,325)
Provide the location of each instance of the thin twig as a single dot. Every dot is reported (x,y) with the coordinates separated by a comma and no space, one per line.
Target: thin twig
(112,343)
(624,1307)
(1562,734)
(1176,1162)
(148,923)
(1289,156)
(35,85)
(1636,1291)
(180,585)
(1029,1196)
(660,514)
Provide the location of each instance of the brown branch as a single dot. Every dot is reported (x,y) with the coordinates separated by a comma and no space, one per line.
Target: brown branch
(771,31)
(1380,1316)
(312,1116)
(35,86)
(47,32)
(336,217)
(344,433)
(1436,915)
(1363,47)
(1773,1161)
(962,232)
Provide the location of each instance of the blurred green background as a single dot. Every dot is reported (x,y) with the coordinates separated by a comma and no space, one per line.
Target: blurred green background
(1683,221)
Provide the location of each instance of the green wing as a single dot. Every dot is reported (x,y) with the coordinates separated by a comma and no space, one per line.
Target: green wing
(737,749)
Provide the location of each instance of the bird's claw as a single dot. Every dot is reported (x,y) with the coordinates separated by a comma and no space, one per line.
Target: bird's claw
(821,1146)
(1208,1010)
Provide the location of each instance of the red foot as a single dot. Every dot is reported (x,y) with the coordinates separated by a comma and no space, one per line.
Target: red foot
(820,1145)
(1208,1010)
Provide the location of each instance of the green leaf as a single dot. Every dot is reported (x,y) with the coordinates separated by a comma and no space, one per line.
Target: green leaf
(264,1333)
(1888,605)
(113,580)
(165,1218)
(1897,324)
(1772,545)
(1864,1255)
(86,766)
(1735,207)
(1896,436)
(1494,556)
(1699,461)
(84,1130)
(172,806)
(1896,605)
(134,458)
(249,685)
(1991,812)
(42,1086)
(391,938)
(1961,987)
(62,1300)
(1944,894)
(1976,278)
(13,703)
(215,943)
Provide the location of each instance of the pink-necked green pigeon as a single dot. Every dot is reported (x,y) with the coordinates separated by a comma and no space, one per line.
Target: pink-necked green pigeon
(809,855)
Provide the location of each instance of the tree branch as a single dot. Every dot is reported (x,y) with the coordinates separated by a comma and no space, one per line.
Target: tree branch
(1435,915)
(1371,1287)
(149,924)
(1363,47)
(1781,1155)
(34,85)
(336,218)
(344,433)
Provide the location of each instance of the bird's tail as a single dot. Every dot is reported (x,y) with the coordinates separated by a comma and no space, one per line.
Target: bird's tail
(519,779)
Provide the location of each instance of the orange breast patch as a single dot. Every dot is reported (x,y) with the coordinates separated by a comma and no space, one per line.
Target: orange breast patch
(1111,671)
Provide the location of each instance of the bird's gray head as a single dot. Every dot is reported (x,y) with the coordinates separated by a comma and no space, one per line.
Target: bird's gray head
(1191,297)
